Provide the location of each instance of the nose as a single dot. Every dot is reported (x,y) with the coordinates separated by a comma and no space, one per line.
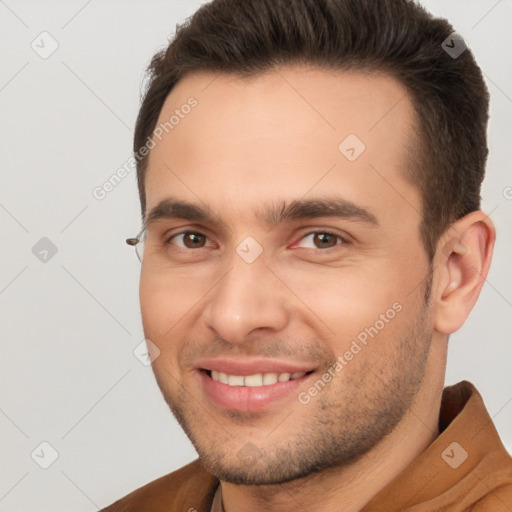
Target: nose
(250,297)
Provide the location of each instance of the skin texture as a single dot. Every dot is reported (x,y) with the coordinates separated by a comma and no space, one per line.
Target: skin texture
(252,143)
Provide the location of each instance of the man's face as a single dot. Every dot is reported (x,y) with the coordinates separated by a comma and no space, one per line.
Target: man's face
(275,258)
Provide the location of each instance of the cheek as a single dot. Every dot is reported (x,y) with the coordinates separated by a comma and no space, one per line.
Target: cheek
(170,304)
(365,304)
(167,298)
(154,302)
(346,298)
(160,310)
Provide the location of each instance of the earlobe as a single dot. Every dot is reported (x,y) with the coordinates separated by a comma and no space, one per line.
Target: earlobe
(462,263)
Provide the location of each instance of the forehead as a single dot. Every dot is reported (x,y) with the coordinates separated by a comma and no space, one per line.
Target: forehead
(281,135)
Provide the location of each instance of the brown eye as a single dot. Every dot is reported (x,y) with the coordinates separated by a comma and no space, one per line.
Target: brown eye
(322,240)
(193,240)
(190,240)
(325,240)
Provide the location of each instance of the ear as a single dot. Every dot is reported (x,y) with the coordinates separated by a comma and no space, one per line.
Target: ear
(462,260)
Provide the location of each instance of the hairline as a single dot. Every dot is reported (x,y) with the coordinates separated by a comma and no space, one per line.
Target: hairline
(414,157)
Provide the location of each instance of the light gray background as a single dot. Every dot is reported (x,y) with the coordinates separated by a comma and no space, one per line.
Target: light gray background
(70,325)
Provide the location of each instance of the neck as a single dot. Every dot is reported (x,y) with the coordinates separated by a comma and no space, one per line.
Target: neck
(351,487)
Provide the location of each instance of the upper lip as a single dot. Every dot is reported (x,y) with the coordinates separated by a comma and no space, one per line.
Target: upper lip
(244,367)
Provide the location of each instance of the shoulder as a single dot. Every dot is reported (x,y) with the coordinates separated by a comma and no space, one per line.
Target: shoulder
(496,486)
(189,488)
(497,500)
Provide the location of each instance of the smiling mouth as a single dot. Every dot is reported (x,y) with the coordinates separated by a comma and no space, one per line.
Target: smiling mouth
(254,380)
(252,391)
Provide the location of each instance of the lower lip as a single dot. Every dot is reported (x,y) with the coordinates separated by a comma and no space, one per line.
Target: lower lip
(248,399)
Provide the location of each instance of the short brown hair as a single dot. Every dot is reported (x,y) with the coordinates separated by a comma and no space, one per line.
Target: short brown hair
(398,37)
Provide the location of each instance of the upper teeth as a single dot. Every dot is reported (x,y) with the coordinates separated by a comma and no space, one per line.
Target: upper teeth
(258,379)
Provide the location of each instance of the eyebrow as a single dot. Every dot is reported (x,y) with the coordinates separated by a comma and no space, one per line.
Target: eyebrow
(313,208)
(271,215)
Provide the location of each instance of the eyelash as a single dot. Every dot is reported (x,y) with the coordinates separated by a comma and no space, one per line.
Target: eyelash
(169,239)
(341,239)
(324,232)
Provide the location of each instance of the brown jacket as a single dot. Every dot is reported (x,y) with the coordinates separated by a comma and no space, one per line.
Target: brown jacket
(465,469)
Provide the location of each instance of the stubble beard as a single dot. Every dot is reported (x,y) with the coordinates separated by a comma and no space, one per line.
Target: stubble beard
(352,415)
